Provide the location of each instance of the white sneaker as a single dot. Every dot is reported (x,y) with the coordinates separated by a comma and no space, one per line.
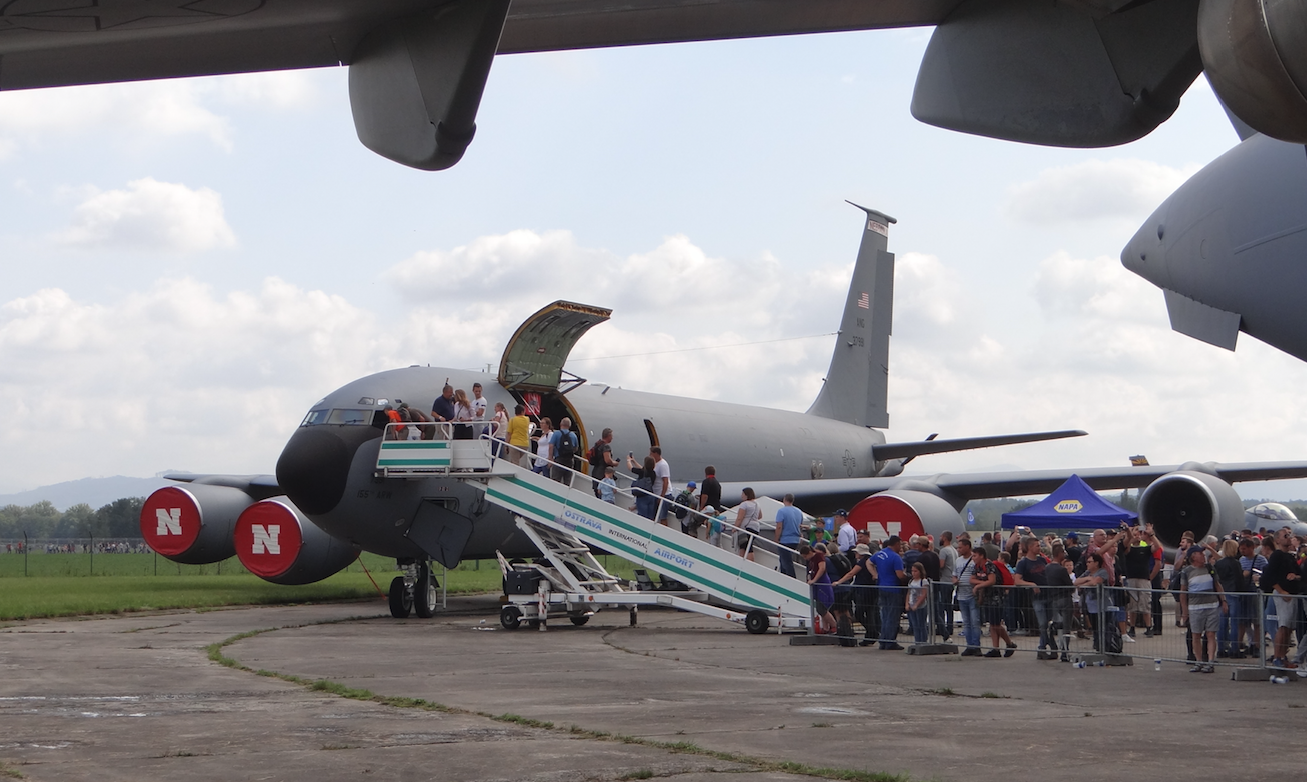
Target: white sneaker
(1127,639)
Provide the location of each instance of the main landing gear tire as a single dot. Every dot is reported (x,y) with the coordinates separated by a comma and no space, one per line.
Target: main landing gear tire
(424,593)
(510,617)
(401,600)
(757,621)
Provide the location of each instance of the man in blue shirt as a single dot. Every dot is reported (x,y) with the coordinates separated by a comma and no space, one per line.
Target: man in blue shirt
(889,572)
(788,519)
(443,408)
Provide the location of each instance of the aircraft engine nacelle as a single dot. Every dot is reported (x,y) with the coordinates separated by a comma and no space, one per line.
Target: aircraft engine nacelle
(192,524)
(277,543)
(1192,500)
(903,512)
(1255,55)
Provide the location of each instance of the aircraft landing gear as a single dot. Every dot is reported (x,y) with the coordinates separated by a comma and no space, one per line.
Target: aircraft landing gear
(414,592)
(425,596)
(401,598)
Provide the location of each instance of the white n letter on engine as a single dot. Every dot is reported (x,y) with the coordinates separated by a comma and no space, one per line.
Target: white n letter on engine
(265,538)
(170,521)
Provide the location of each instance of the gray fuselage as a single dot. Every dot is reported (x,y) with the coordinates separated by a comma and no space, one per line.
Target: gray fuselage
(329,470)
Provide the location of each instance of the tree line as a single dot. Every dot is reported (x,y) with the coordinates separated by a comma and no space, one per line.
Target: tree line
(119,519)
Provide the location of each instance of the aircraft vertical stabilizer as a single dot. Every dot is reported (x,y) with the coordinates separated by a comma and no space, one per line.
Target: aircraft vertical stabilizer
(857,384)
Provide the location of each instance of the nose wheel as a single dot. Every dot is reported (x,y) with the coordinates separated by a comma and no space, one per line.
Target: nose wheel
(401,598)
(414,592)
(425,595)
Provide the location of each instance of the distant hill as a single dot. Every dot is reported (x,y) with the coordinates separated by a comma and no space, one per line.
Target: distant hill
(95,492)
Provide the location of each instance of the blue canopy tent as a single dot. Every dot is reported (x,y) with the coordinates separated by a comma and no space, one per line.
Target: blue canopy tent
(1073,505)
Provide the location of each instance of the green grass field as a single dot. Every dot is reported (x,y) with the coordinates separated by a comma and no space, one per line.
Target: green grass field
(62,584)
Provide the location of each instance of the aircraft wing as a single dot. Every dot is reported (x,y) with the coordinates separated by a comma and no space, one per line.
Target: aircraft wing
(259,487)
(821,496)
(911,450)
(52,44)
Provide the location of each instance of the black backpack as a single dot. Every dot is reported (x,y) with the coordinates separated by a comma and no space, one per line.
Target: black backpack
(566,455)
(837,565)
(684,501)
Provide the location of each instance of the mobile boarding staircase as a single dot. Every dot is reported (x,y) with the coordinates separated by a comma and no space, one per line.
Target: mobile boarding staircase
(564,522)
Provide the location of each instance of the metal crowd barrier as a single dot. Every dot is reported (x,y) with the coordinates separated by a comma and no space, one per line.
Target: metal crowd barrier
(1084,623)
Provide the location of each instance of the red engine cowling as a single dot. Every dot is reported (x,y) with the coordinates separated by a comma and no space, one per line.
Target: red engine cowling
(277,543)
(903,512)
(192,524)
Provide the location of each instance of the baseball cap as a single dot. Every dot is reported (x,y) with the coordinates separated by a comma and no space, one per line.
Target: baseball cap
(841,512)
(691,485)
(1072,536)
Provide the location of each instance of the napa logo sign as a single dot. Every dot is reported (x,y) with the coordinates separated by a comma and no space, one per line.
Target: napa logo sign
(1068,506)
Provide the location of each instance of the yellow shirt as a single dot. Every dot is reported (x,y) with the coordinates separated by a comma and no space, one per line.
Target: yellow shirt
(519,431)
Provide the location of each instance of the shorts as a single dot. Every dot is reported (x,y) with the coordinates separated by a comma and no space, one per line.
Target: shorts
(1204,620)
(843,599)
(1286,610)
(991,614)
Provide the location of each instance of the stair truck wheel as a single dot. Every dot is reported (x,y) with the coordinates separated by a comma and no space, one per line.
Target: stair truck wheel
(401,602)
(510,617)
(424,593)
(757,621)
(580,620)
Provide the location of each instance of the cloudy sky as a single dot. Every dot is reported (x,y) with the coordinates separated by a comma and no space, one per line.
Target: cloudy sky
(189,265)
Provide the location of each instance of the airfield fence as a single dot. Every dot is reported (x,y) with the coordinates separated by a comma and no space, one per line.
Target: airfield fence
(1087,623)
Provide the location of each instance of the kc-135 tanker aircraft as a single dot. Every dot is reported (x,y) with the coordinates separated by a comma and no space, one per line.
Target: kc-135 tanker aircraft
(1075,73)
(331,498)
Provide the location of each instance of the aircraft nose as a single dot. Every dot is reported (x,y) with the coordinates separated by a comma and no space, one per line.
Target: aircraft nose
(1143,253)
(314,466)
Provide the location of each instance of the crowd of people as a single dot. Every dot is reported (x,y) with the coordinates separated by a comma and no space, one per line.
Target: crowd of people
(1107,590)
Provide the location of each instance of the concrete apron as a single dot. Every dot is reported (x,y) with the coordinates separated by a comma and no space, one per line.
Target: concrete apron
(136,697)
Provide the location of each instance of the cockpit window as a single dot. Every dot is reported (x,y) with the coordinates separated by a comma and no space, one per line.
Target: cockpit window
(350,417)
(315,417)
(345,417)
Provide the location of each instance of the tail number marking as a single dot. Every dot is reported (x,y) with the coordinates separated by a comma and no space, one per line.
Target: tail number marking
(265,538)
(170,521)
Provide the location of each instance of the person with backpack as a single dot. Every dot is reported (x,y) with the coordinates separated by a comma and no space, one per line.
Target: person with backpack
(601,458)
(563,447)
(689,519)
(989,582)
(646,504)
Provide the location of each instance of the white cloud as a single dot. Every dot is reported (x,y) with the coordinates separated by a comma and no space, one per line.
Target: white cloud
(148,110)
(179,376)
(1124,189)
(152,216)
(174,376)
(674,296)
(145,110)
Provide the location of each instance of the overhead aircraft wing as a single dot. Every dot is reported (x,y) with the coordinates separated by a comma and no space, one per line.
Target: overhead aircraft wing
(259,487)
(51,44)
(916,448)
(821,496)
